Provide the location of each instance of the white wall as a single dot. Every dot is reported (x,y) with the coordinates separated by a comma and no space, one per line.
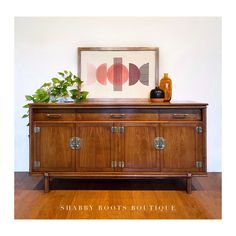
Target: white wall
(190,50)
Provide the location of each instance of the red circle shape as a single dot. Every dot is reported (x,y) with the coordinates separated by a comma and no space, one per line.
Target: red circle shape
(115,78)
(101,74)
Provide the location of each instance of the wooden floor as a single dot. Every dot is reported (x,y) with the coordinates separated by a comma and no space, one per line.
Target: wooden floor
(117,199)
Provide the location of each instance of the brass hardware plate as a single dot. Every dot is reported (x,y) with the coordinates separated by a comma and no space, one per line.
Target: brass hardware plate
(36,164)
(199,129)
(117,129)
(75,143)
(72,143)
(198,164)
(159,143)
(36,130)
(114,129)
(122,129)
(121,164)
(113,164)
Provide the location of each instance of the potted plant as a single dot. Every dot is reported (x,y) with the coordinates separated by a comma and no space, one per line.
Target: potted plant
(63,89)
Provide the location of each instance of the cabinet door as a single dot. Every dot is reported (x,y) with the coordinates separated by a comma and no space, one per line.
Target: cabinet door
(95,149)
(52,151)
(139,152)
(183,147)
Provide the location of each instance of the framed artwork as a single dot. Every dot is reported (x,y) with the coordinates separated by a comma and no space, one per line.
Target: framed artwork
(121,72)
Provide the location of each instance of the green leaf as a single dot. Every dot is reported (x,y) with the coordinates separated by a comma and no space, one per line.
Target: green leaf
(56,89)
(84,94)
(37,100)
(74,91)
(69,80)
(74,97)
(61,73)
(78,81)
(46,85)
(61,83)
(55,80)
(65,94)
(76,100)
(25,115)
(40,91)
(29,98)
(45,98)
(64,89)
(66,84)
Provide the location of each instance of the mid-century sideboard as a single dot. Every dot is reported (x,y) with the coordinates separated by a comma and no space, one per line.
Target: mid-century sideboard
(118,138)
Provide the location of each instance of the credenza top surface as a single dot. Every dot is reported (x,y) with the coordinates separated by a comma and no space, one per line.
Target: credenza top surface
(119,103)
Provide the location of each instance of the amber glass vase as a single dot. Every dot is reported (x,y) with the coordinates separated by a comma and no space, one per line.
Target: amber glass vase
(166,86)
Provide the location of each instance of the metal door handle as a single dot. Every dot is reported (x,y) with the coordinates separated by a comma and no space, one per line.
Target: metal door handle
(159,143)
(75,143)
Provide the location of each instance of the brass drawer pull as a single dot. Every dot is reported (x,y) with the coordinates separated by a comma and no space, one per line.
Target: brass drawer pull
(117,116)
(180,116)
(53,116)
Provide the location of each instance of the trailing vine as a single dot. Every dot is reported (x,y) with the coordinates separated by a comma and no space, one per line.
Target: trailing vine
(67,86)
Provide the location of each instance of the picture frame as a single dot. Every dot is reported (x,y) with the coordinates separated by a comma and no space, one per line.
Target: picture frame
(118,72)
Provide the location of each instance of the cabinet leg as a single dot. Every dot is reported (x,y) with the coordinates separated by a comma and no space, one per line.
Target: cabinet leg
(189,183)
(46,182)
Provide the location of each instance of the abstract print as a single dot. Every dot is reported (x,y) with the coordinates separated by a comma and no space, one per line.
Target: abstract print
(118,74)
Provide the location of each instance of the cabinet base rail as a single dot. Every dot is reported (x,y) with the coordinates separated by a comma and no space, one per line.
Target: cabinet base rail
(188,177)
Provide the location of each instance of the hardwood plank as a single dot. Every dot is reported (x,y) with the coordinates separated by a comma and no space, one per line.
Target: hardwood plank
(117,199)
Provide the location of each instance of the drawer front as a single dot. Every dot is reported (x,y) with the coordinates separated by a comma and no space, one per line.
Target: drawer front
(117,116)
(113,115)
(54,115)
(180,114)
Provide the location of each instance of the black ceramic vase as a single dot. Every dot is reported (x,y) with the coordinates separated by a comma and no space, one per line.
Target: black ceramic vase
(157,93)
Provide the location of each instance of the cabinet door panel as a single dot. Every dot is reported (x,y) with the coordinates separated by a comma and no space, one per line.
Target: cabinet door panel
(52,149)
(95,151)
(183,147)
(139,151)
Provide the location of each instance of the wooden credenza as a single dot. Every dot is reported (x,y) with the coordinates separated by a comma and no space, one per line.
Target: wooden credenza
(118,138)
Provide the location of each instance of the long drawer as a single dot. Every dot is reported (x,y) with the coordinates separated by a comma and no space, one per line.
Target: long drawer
(116,115)
(54,115)
(180,114)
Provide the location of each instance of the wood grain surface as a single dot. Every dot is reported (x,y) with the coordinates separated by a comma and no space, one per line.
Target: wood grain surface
(117,199)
